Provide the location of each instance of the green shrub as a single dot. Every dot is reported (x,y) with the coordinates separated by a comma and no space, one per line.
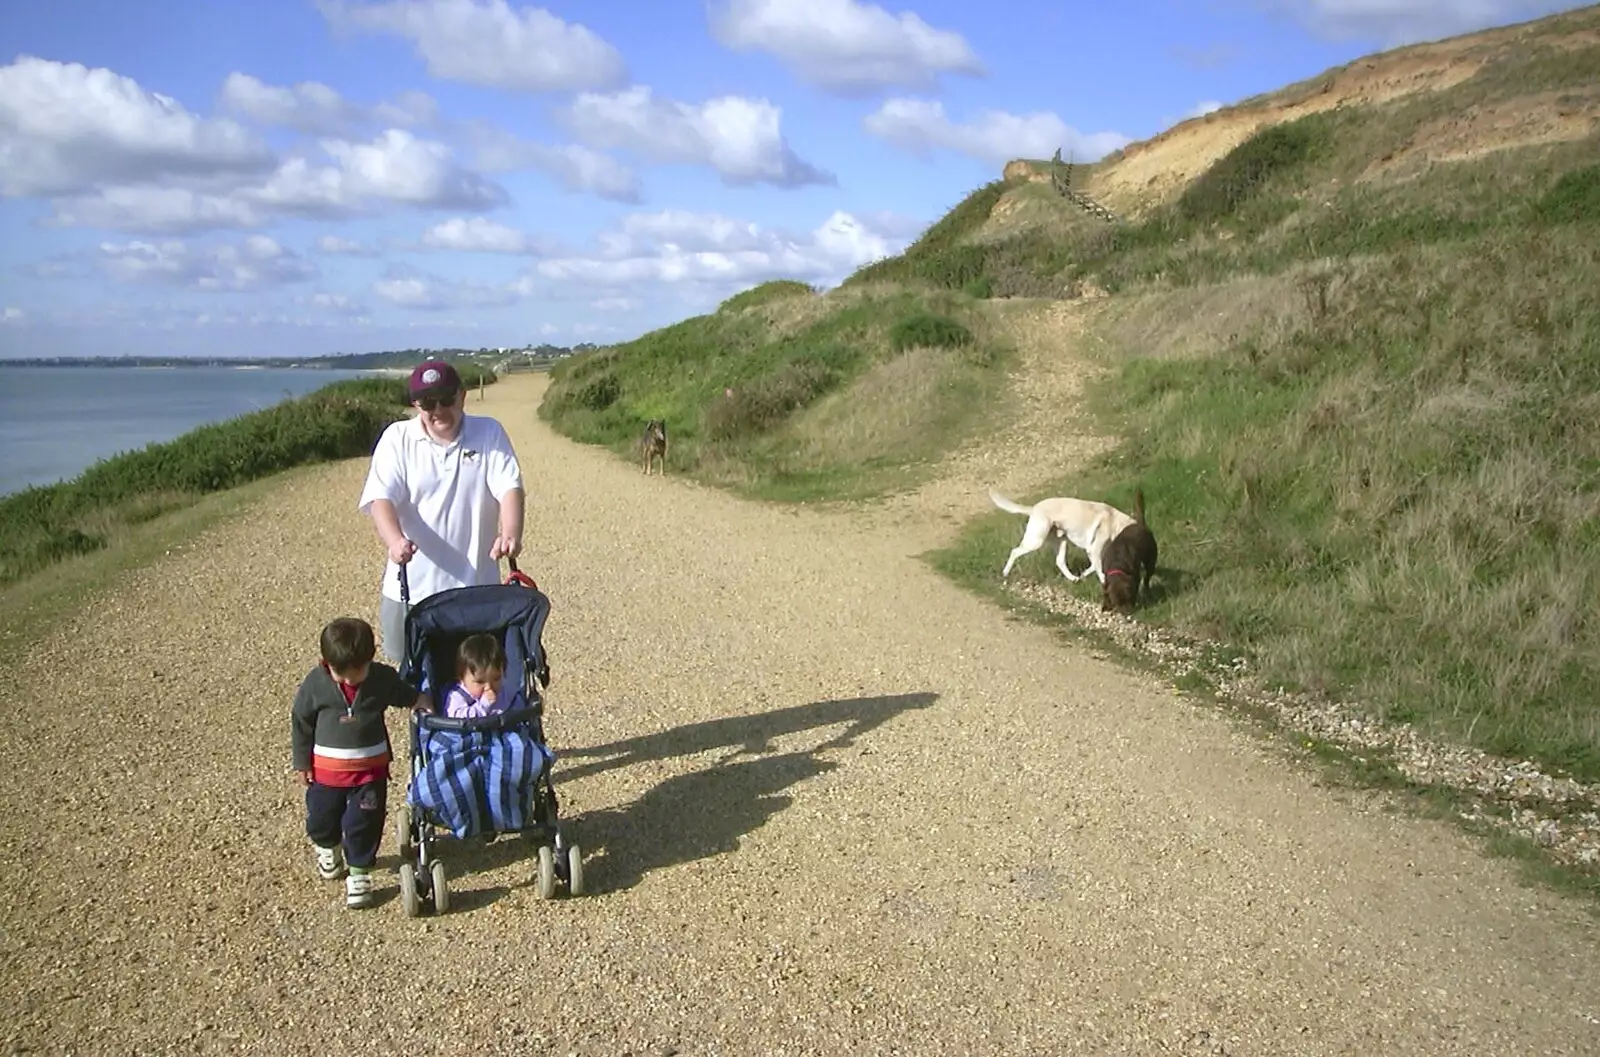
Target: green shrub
(763,403)
(600,393)
(1241,173)
(927,330)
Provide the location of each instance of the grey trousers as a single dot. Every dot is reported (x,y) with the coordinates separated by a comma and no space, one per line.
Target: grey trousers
(392,625)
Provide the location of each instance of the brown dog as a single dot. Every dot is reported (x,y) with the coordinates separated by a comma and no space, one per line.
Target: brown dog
(653,444)
(1129,558)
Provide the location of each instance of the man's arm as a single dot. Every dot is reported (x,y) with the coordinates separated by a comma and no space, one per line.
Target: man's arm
(509,542)
(385,483)
(387,522)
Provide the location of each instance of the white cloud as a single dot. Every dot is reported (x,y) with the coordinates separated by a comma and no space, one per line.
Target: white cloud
(479,235)
(252,263)
(412,289)
(13,315)
(742,139)
(144,209)
(334,245)
(575,167)
(110,155)
(1394,22)
(488,43)
(676,247)
(1203,108)
(66,128)
(920,126)
(336,304)
(313,107)
(844,46)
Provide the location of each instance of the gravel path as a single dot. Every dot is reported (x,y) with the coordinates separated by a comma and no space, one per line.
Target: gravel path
(832,804)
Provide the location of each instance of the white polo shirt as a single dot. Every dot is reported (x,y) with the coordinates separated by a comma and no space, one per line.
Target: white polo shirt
(448,499)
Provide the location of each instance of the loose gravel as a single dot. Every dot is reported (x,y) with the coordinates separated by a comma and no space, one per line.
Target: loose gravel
(831,804)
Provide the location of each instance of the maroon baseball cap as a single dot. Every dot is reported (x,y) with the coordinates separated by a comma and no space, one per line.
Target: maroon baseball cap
(434,376)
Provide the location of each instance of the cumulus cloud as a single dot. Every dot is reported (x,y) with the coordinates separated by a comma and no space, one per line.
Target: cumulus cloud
(410,288)
(920,126)
(480,235)
(742,139)
(488,43)
(845,46)
(679,247)
(394,169)
(110,155)
(315,108)
(334,245)
(573,166)
(67,128)
(1394,22)
(255,262)
(13,314)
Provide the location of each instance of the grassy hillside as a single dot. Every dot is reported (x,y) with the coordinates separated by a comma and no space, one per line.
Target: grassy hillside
(1356,369)
(1352,340)
(786,393)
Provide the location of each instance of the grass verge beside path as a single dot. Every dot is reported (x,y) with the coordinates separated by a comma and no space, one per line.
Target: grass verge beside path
(40,527)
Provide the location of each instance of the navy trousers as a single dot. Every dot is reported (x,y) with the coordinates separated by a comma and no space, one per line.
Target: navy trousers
(353,816)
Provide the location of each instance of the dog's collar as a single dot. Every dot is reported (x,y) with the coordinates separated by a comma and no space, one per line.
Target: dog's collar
(1116,572)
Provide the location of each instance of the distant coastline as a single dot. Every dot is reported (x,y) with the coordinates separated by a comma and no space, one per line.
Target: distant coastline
(534,356)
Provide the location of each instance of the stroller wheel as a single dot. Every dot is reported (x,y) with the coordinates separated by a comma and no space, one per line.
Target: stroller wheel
(546,886)
(408,889)
(574,870)
(441,888)
(402,830)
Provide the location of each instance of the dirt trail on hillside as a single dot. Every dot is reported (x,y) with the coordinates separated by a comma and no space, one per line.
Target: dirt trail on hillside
(833,805)
(1037,432)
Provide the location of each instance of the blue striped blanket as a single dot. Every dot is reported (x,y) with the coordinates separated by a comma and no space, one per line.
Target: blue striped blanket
(478,782)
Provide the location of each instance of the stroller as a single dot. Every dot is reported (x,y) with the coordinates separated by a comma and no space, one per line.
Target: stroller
(485,775)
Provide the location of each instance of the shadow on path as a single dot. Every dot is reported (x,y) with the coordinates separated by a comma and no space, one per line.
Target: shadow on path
(704,813)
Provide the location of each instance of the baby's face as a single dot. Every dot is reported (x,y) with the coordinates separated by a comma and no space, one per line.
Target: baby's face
(475,683)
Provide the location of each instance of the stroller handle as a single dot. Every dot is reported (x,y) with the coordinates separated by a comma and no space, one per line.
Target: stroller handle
(405,583)
(512,717)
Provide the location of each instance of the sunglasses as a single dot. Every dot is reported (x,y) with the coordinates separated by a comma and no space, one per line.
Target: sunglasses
(429,402)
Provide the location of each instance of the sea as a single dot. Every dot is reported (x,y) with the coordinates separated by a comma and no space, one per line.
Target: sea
(56,422)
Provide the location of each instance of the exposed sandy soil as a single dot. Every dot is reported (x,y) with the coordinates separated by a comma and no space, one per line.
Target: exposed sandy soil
(833,804)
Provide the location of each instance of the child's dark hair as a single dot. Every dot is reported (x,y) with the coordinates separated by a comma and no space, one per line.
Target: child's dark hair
(348,643)
(480,654)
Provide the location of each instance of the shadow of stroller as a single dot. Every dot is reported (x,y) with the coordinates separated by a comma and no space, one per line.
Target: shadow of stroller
(751,734)
(704,813)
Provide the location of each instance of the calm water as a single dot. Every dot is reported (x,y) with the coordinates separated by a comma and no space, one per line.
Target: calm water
(55,422)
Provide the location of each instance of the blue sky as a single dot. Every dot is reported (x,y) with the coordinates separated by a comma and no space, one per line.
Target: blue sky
(303,177)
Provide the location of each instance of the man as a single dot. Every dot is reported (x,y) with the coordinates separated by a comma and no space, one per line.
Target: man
(445,493)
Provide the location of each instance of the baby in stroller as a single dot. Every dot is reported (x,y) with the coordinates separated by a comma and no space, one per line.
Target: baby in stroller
(479,763)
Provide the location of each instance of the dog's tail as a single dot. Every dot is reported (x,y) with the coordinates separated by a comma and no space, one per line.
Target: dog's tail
(1138,505)
(1005,504)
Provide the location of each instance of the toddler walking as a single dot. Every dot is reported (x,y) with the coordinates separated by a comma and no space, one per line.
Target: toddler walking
(340,748)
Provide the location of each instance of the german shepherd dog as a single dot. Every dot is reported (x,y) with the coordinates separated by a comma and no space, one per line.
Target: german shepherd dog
(652,444)
(1128,558)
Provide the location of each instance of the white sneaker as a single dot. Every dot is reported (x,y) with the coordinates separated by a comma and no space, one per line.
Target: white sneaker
(358,890)
(330,863)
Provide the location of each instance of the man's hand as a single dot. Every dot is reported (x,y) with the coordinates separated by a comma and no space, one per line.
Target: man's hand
(401,550)
(422,705)
(305,776)
(505,547)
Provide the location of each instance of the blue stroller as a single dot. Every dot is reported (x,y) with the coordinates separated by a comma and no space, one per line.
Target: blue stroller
(486,775)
